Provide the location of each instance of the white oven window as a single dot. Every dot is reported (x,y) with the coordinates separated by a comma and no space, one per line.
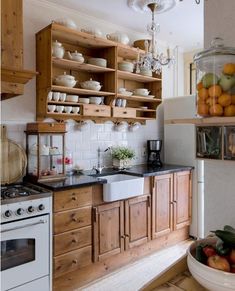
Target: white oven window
(16,252)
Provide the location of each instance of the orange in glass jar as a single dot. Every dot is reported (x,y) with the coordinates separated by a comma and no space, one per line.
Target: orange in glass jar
(215,91)
(216,110)
(225,100)
(229,69)
(203,93)
(233,99)
(199,85)
(211,101)
(203,109)
(229,110)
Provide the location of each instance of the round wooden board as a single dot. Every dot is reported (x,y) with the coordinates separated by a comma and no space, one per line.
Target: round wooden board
(13,160)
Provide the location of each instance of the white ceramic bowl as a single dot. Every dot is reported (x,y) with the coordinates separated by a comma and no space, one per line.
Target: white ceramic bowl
(68,109)
(75,109)
(212,279)
(95,100)
(146,72)
(72,98)
(98,62)
(91,85)
(51,108)
(124,92)
(84,100)
(126,66)
(141,92)
(66,22)
(62,97)
(59,108)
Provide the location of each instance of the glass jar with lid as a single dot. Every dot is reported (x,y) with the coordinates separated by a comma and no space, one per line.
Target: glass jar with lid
(215,75)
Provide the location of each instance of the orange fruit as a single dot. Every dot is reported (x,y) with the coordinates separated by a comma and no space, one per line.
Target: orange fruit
(233,99)
(225,100)
(215,91)
(211,101)
(203,93)
(229,69)
(229,110)
(203,109)
(216,110)
(199,85)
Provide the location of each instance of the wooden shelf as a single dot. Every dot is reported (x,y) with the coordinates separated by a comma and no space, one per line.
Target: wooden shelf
(139,98)
(145,110)
(128,52)
(80,91)
(203,121)
(136,77)
(76,66)
(76,37)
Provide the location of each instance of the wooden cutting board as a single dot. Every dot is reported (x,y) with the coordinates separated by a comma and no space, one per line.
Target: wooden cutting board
(13,159)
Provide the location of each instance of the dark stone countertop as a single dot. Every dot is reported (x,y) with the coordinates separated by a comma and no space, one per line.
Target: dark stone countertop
(89,178)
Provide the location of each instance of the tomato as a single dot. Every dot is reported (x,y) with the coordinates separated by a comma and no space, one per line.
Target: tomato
(209,251)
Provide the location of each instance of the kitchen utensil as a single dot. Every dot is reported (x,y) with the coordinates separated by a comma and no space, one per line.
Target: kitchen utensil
(141,92)
(97,62)
(84,100)
(59,108)
(68,109)
(13,159)
(75,56)
(51,108)
(57,50)
(72,98)
(118,37)
(65,80)
(95,100)
(56,96)
(66,22)
(91,85)
(62,97)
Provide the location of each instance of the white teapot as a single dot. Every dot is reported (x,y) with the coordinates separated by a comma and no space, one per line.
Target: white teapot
(57,49)
(118,37)
(75,56)
(65,80)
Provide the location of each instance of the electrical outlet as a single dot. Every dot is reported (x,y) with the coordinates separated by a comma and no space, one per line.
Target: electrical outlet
(144,152)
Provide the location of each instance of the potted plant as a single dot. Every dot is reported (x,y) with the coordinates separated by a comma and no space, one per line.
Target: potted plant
(122,157)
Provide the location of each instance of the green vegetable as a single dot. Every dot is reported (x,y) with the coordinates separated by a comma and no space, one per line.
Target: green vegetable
(200,255)
(229,228)
(227,237)
(122,153)
(221,248)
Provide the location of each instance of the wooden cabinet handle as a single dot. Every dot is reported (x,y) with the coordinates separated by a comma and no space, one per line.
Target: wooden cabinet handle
(122,236)
(126,235)
(124,112)
(74,217)
(74,262)
(74,240)
(97,110)
(74,198)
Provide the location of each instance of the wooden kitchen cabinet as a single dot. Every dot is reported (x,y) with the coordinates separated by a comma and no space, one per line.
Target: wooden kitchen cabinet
(121,225)
(171,206)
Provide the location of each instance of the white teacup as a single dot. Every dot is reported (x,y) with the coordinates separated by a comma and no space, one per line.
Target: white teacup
(123,102)
(135,126)
(49,96)
(51,108)
(121,90)
(68,109)
(76,109)
(59,108)
(63,96)
(121,126)
(56,96)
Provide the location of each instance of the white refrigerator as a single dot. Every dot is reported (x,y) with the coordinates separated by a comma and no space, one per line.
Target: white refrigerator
(179,148)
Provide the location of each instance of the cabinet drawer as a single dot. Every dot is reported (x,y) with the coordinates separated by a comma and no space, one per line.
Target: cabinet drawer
(72,219)
(124,112)
(72,261)
(72,240)
(96,110)
(73,198)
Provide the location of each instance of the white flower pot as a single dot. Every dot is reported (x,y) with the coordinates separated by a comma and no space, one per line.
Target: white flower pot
(122,164)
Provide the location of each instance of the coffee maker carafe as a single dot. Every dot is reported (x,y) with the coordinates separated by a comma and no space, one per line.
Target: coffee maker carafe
(154,150)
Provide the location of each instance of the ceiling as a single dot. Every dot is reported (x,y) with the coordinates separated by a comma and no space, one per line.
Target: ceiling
(182,25)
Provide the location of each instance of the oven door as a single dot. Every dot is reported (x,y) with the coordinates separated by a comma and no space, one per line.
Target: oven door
(25,251)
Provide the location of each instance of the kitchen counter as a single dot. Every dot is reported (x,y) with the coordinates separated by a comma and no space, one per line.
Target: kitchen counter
(89,178)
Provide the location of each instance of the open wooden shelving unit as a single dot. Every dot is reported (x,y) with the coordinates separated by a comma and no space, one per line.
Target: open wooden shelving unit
(203,121)
(109,77)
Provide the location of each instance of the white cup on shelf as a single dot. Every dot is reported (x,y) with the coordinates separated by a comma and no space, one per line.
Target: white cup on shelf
(62,97)
(56,96)
(49,96)
(68,109)
(59,108)
(75,109)
(51,108)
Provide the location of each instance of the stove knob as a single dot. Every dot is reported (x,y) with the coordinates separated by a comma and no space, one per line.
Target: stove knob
(31,209)
(8,214)
(20,211)
(41,207)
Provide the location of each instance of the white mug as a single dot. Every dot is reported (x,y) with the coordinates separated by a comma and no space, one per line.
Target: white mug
(49,96)
(63,96)
(123,102)
(51,108)
(56,96)
(59,108)
(76,109)
(68,109)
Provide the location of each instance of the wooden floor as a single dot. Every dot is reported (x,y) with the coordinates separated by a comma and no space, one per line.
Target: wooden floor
(134,276)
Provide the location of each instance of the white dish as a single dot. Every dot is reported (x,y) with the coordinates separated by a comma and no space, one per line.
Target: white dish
(127,93)
(91,85)
(51,108)
(143,107)
(62,97)
(68,109)
(66,22)
(98,62)
(150,96)
(72,98)
(75,109)
(84,100)
(126,66)
(65,80)
(95,100)
(141,92)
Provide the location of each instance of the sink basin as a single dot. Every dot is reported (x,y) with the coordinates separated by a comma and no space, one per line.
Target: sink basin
(122,186)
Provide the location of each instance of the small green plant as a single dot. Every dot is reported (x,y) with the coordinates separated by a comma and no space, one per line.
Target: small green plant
(122,153)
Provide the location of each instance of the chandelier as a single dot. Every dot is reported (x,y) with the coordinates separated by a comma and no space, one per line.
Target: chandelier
(152,60)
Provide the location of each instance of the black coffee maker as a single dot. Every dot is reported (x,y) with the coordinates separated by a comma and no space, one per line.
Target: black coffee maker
(154,150)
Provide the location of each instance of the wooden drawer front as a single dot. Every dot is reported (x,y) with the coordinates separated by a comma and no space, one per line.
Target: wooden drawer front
(72,219)
(72,261)
(96,110)
(72,240)
(73,198)
(124,112)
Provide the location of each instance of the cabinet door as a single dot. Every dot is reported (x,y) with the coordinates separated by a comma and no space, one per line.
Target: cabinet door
(108,230)
(137,221)
(182,199)
(162,205)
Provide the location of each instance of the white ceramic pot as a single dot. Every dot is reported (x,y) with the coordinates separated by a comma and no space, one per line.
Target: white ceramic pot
(57,49)
(118,37)
(122,164)
(66,22)
(98,62)
(141,92)
(93,30)
(65,80)
(123,91)
(75,56)
(91,85)
(126,66)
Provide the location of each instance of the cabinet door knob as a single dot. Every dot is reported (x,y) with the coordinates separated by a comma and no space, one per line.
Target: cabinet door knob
(74,240)
(126,235)
(122,236)
(74,198)
(97,110)
(74,262)
(124,112)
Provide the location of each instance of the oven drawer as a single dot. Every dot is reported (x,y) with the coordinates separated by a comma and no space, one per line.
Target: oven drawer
(124,112)
(72,219)
(74,198)
(72,240)
(72,261)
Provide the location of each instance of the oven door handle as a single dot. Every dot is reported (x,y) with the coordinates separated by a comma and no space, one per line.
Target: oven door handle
(41,221)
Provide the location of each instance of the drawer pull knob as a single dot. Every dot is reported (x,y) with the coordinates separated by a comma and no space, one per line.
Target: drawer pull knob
(122,236)
(124,112)
(74,219)
(74,198)
(74,262)
(74,240)
(97,110)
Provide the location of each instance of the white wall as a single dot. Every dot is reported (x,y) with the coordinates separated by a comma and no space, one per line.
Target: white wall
(16,112)
(219,176)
